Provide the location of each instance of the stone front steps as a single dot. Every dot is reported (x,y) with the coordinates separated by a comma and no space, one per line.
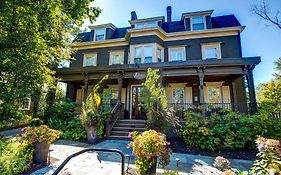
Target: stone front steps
(122,128)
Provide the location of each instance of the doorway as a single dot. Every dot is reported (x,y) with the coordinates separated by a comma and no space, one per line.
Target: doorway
(137,111)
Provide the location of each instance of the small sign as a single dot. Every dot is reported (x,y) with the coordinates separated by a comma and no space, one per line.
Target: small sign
(139,75)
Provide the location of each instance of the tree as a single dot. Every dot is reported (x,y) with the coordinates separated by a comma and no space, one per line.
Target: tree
(263,11)
(34,38)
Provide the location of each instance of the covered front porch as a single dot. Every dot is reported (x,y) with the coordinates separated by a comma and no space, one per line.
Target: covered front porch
(214,87)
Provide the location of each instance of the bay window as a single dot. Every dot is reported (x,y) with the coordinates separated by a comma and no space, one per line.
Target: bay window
(148,50)
(137,55)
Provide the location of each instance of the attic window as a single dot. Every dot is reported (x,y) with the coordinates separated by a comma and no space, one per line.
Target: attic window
(146,24)
(198,23)
(99,35)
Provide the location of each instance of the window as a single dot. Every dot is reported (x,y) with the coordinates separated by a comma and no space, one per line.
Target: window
(100,34)
(146,24)
(178,95)
(25,104)
(148,54)
(116,58)
(90,60)
(214,94)
(177,54)
(211,51)
(198,23)
(159,54)
(137,55)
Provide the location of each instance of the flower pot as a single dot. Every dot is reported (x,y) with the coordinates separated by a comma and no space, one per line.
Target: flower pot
(92,134)
(41,153)
(151,170)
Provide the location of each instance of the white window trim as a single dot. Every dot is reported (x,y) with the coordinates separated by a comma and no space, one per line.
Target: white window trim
(90,54)
(178,87)
(104,34)
(116,52)
(212,85)
(177,47)
(145,24)
(211,45)
(154,52)
(204,19)
(28,107)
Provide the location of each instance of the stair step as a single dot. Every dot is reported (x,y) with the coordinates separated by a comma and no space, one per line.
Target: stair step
(132,121)
(133,125)
(120,133)
(129,129)
(113,137)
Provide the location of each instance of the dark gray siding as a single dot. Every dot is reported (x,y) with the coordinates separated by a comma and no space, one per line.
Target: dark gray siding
(146,39)
(230,48)
(109,33)
(102,55)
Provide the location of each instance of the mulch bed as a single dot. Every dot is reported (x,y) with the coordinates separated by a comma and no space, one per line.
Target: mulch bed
(178,146)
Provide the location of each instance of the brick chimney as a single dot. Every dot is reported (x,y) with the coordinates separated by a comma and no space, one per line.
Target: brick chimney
(134,15)
(169,14)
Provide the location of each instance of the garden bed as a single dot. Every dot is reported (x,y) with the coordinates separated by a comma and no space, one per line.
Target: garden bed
(178,146)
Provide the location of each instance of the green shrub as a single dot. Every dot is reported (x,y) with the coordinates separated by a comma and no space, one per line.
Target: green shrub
(35,122)
(11,123)
(230,131)
(15,157)
(74,130)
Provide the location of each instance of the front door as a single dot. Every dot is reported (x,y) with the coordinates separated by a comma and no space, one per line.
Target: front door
(137,111)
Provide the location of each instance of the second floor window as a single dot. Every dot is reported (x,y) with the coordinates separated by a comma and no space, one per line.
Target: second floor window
(148,50)
(177,54)
(198,23)
(116,57)
(211,51)
(137,55)
(159,54)
(100,34)
(90,60)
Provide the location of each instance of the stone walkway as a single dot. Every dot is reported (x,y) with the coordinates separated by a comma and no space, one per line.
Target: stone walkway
(110,163)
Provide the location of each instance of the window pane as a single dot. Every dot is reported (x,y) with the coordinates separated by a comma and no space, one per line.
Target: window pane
(90,60)
(148,51)
(178,94)
(99,34)
(214,95)
(151,24)
(116,59)
(211,53)
(139,25)
(197,20)
(137,60)
(159,55)
(177,54)
(198,26)
(137,52)
(147,59)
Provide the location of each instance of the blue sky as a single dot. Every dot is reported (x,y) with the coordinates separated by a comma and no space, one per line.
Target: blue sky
(258,39)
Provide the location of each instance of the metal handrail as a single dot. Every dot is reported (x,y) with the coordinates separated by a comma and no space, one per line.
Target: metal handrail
(95,150)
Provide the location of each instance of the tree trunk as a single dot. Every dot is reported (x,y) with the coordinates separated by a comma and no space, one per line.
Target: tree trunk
(92,134)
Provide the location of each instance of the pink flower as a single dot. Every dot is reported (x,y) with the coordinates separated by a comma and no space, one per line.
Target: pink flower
(130,135)
(128,146)
(156,153)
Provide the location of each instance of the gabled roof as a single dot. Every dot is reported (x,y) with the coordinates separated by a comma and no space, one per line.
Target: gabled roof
(225,21)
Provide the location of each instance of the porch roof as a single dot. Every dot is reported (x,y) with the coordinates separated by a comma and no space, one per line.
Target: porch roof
(212,67)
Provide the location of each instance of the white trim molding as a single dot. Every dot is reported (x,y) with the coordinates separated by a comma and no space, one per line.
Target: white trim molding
(86,55)
(216,45)
(119,52)
(170,48)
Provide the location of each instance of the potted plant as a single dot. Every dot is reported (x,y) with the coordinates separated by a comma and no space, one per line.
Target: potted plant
(41,137)
(147,147)
(94,113)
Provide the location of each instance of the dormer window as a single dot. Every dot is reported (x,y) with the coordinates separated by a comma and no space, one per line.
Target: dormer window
(99,34)
(146,24)
(198,23)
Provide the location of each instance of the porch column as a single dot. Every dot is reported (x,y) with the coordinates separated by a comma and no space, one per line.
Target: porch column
(119,98)
(86,90)
(201,85)
(251,88)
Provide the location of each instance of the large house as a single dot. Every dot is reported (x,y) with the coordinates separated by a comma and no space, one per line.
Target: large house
(199,59)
